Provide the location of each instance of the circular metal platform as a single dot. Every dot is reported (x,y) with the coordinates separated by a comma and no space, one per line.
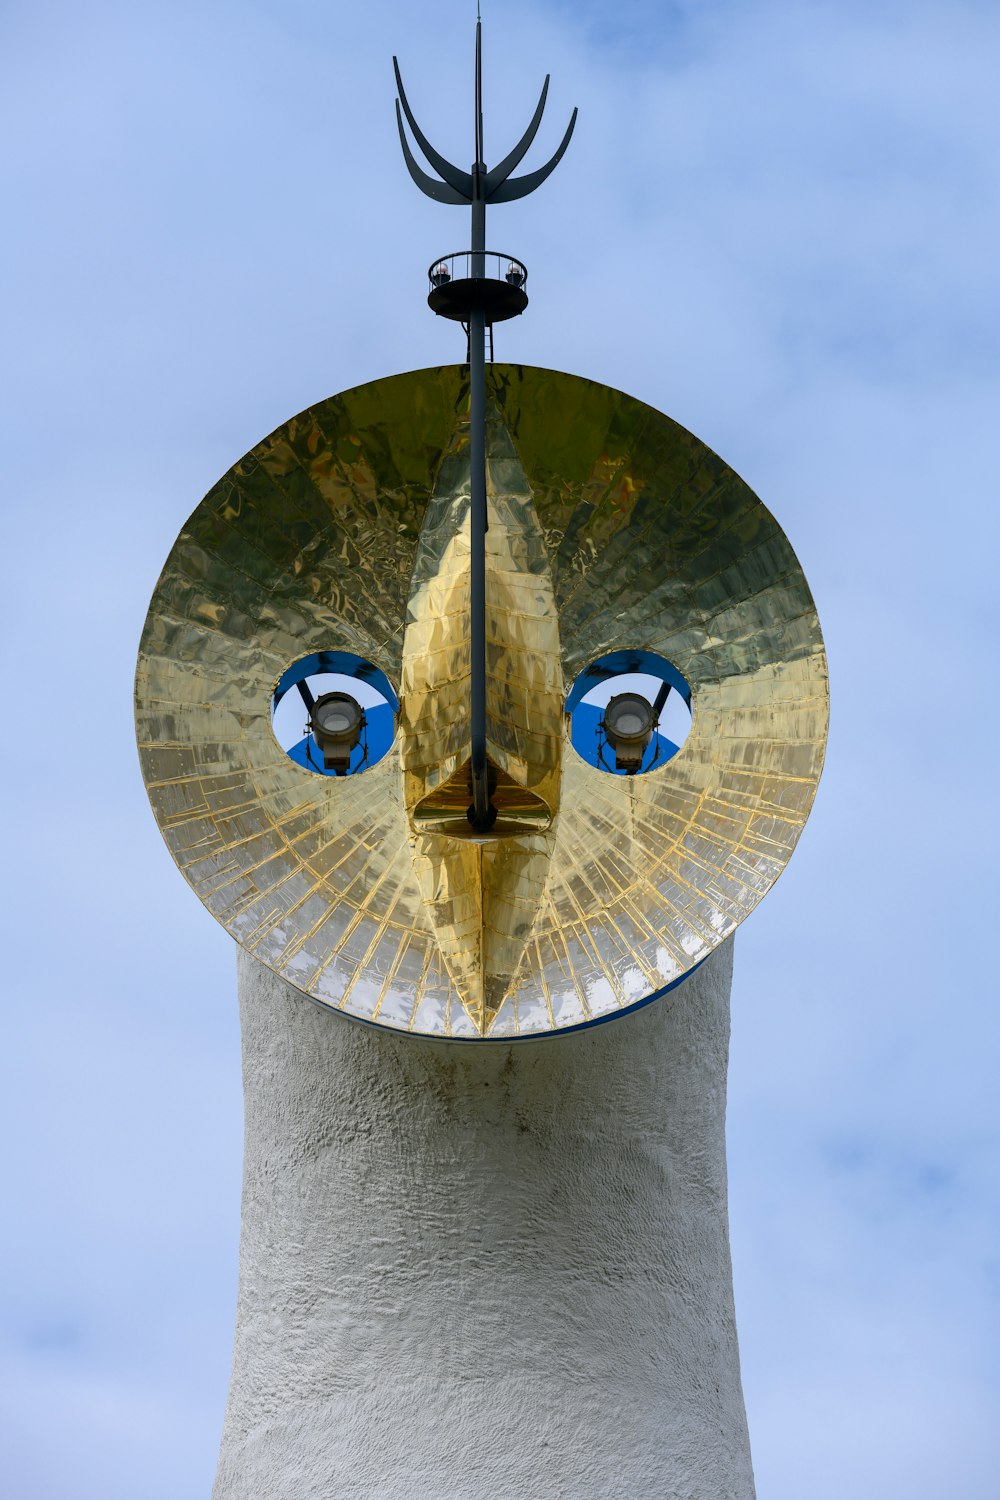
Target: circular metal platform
(498,290)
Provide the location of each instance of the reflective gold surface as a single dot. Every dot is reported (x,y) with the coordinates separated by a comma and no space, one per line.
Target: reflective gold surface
(610,527)
(502,876)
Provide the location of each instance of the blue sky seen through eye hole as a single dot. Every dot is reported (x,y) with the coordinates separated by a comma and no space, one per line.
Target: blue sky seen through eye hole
(674,721)
(289,722)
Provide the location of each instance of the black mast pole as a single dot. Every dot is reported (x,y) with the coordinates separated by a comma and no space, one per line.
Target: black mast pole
(482,813)
(477,302)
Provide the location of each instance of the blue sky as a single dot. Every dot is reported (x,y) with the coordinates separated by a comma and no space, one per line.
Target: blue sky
(777,222)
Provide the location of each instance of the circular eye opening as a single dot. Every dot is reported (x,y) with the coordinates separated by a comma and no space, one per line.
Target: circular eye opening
(629,712)
(334,713)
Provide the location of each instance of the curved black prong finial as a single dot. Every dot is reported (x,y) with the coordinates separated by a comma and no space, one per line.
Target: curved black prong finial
(440,191)
(478,186)
(453,176)
(501,172)
(520,187)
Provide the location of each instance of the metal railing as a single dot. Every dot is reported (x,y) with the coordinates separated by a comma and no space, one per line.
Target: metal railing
(458,267)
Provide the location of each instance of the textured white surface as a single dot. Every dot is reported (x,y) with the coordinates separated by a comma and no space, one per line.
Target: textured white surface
(485,1270)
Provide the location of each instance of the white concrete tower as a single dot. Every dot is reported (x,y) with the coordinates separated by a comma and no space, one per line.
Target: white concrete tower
(485,1271)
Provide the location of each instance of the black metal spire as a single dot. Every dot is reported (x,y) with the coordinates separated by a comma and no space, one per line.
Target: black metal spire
(461,187)
(477,300)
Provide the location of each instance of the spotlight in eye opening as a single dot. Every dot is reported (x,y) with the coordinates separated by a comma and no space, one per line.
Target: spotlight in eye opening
(628,727)
(349,707)
(630,712)
(337,721)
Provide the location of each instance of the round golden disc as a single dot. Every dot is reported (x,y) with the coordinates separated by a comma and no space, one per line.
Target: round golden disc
(611,529)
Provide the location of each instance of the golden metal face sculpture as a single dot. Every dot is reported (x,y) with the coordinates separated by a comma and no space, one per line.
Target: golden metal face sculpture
(610,528)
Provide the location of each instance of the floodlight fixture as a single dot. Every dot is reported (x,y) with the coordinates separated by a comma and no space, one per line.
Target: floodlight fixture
(336,722)
(628,727)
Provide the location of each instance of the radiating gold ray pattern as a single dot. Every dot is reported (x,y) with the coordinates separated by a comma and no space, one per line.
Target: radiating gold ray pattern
(614,529)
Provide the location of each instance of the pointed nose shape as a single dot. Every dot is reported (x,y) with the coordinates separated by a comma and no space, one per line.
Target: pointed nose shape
(482,889)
